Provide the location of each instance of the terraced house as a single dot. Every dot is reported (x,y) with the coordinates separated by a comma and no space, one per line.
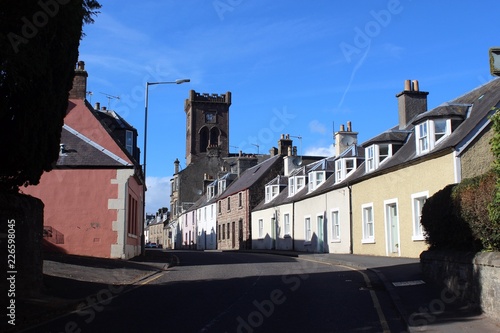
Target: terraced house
(368,198)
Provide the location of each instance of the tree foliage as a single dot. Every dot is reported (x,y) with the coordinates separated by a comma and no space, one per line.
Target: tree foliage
(38,51)
(494,206)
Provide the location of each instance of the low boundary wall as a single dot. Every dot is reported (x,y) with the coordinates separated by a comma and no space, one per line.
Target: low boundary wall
(473,277)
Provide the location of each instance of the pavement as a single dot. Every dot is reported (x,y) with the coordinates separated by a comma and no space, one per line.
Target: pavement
(70,280)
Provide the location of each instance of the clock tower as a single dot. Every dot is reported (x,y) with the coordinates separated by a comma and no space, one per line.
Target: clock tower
(207,126)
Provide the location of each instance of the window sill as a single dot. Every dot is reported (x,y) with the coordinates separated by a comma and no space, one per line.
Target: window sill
(132,236)
(417,238)
(307,243)
(336,241)
(368,241)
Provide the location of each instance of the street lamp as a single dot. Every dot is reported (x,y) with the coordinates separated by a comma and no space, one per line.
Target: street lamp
(145,142)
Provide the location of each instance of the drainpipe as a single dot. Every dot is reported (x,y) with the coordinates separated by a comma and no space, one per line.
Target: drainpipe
(351,240)
(293,225)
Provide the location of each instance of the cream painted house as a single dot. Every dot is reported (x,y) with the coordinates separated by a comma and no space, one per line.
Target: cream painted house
(409,163)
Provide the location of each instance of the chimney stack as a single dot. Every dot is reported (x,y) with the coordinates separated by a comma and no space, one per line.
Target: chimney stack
(344,139)
(411,102)
(283,144)
(79,89)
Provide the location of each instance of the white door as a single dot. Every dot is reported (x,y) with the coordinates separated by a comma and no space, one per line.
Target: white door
(392,228)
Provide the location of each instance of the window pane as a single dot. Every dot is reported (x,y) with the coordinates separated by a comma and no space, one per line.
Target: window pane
(383,151)
(440,126)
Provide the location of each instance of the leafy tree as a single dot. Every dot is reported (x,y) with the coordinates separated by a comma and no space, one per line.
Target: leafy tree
(494,206)
(38,51)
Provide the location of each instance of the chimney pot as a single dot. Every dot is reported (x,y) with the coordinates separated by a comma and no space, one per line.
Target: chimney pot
(349,129)
(97,106)
(81,65)
(415,85)
(342,128)
(408,85)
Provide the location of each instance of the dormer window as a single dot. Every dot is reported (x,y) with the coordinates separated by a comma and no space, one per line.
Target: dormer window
(430,133)
(376,155)
(129,141)
(295,184)
(221,186)
(210,192)
(316,178)
(272,192)
(343,168)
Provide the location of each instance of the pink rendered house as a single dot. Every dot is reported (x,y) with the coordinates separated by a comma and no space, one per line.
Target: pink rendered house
(94,195)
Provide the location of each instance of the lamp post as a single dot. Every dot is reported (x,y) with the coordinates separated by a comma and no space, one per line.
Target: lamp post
(145,142)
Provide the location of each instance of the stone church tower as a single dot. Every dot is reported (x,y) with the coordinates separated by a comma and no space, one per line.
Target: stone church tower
(207,144)
(207,126)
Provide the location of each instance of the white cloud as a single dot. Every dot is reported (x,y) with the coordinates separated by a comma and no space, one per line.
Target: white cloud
(320,151)
(317,127)
(157,195)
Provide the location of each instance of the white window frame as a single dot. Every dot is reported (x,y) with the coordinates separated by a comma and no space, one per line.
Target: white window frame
(368,238)
(291,186)
(422,141)
(300,182)
(447,130)
(307,229)
(272,192)
(286,224)
(335,218)
(316,178)
(261,228)
(221,185)
(379,155)
(418,231)
(370,158)
(341,170)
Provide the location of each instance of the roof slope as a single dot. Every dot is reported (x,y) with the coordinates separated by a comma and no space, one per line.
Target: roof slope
(478,102)
(251,176)
(80,151)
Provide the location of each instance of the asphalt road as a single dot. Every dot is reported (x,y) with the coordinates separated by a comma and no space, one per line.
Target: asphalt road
(239,292)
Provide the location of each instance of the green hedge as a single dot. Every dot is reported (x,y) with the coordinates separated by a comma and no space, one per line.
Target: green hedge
(458,216)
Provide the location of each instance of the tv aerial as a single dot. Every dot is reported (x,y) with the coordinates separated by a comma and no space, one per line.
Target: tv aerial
(109,97)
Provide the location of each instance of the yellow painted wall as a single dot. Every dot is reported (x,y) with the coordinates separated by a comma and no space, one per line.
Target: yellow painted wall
(429,176)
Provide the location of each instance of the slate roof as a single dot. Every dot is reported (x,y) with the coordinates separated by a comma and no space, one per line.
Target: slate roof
(82,152)
(476,105)
(394,135)
(250,176)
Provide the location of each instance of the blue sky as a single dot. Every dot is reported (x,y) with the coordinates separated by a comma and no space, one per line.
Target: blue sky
(293,66)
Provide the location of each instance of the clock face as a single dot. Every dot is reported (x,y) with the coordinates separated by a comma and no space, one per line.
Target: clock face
(210,117)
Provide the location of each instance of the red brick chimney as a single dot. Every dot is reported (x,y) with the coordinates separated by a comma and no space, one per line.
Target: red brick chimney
(411,102)
(79,90)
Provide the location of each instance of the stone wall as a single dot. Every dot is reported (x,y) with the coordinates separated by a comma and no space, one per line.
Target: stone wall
(21,220)
(473,277)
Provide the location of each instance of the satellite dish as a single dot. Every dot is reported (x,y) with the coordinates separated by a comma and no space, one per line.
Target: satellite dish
(198,192)
(297,161)
(348,141)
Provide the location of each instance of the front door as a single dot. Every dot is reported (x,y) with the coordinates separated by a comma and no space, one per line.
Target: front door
(233,234)
(321,235)
(392,228)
